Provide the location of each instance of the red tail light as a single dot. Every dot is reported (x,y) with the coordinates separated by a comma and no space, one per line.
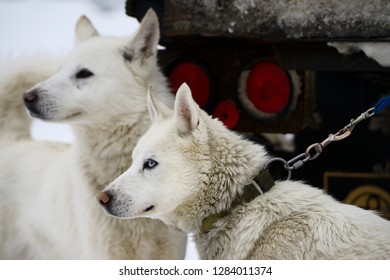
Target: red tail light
(265,90)
(268,87)
(195,76)
(228,113)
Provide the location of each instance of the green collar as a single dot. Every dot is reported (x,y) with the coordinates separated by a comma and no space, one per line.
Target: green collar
(262,183)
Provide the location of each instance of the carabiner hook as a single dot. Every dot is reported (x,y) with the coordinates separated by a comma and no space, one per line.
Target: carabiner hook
(342,134)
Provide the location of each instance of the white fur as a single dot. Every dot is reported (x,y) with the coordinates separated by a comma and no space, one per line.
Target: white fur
(49,208)
(15,78)
(202,166)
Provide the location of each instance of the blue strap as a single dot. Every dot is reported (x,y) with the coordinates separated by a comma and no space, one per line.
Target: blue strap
(381,104)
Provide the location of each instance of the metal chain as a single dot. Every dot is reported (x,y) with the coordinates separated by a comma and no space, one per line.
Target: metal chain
(314,150)
(343,133)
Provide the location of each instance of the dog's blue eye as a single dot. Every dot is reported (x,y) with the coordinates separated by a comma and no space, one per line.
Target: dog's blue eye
(83,74)
(150,164)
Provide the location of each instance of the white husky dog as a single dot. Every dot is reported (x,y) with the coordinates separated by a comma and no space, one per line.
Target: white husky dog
(49,208)
(193,173)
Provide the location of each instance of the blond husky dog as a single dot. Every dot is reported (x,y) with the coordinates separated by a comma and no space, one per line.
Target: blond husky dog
(49,208)
(193,173)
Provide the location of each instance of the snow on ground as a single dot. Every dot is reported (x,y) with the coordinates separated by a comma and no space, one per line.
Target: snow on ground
(30,26)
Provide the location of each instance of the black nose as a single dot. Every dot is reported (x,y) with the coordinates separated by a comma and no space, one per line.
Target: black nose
(104,198)
(30,96)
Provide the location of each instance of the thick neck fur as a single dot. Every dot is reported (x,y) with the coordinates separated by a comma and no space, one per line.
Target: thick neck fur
(232,162)
(108,149)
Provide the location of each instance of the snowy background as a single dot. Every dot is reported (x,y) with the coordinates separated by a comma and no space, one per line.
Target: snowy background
(31,26)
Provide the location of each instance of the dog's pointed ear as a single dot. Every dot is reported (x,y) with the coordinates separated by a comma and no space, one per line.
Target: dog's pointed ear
(186,111)
(157,109)
(84,30)
(144,44)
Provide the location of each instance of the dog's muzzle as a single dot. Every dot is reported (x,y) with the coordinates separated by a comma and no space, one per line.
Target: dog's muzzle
(104,199)
(30,99)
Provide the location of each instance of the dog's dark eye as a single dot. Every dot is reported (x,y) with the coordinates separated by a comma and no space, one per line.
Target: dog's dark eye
(83,74)
(150,164)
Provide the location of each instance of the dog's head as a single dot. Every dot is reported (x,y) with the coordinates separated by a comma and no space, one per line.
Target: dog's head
(169,163)
(102,78)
